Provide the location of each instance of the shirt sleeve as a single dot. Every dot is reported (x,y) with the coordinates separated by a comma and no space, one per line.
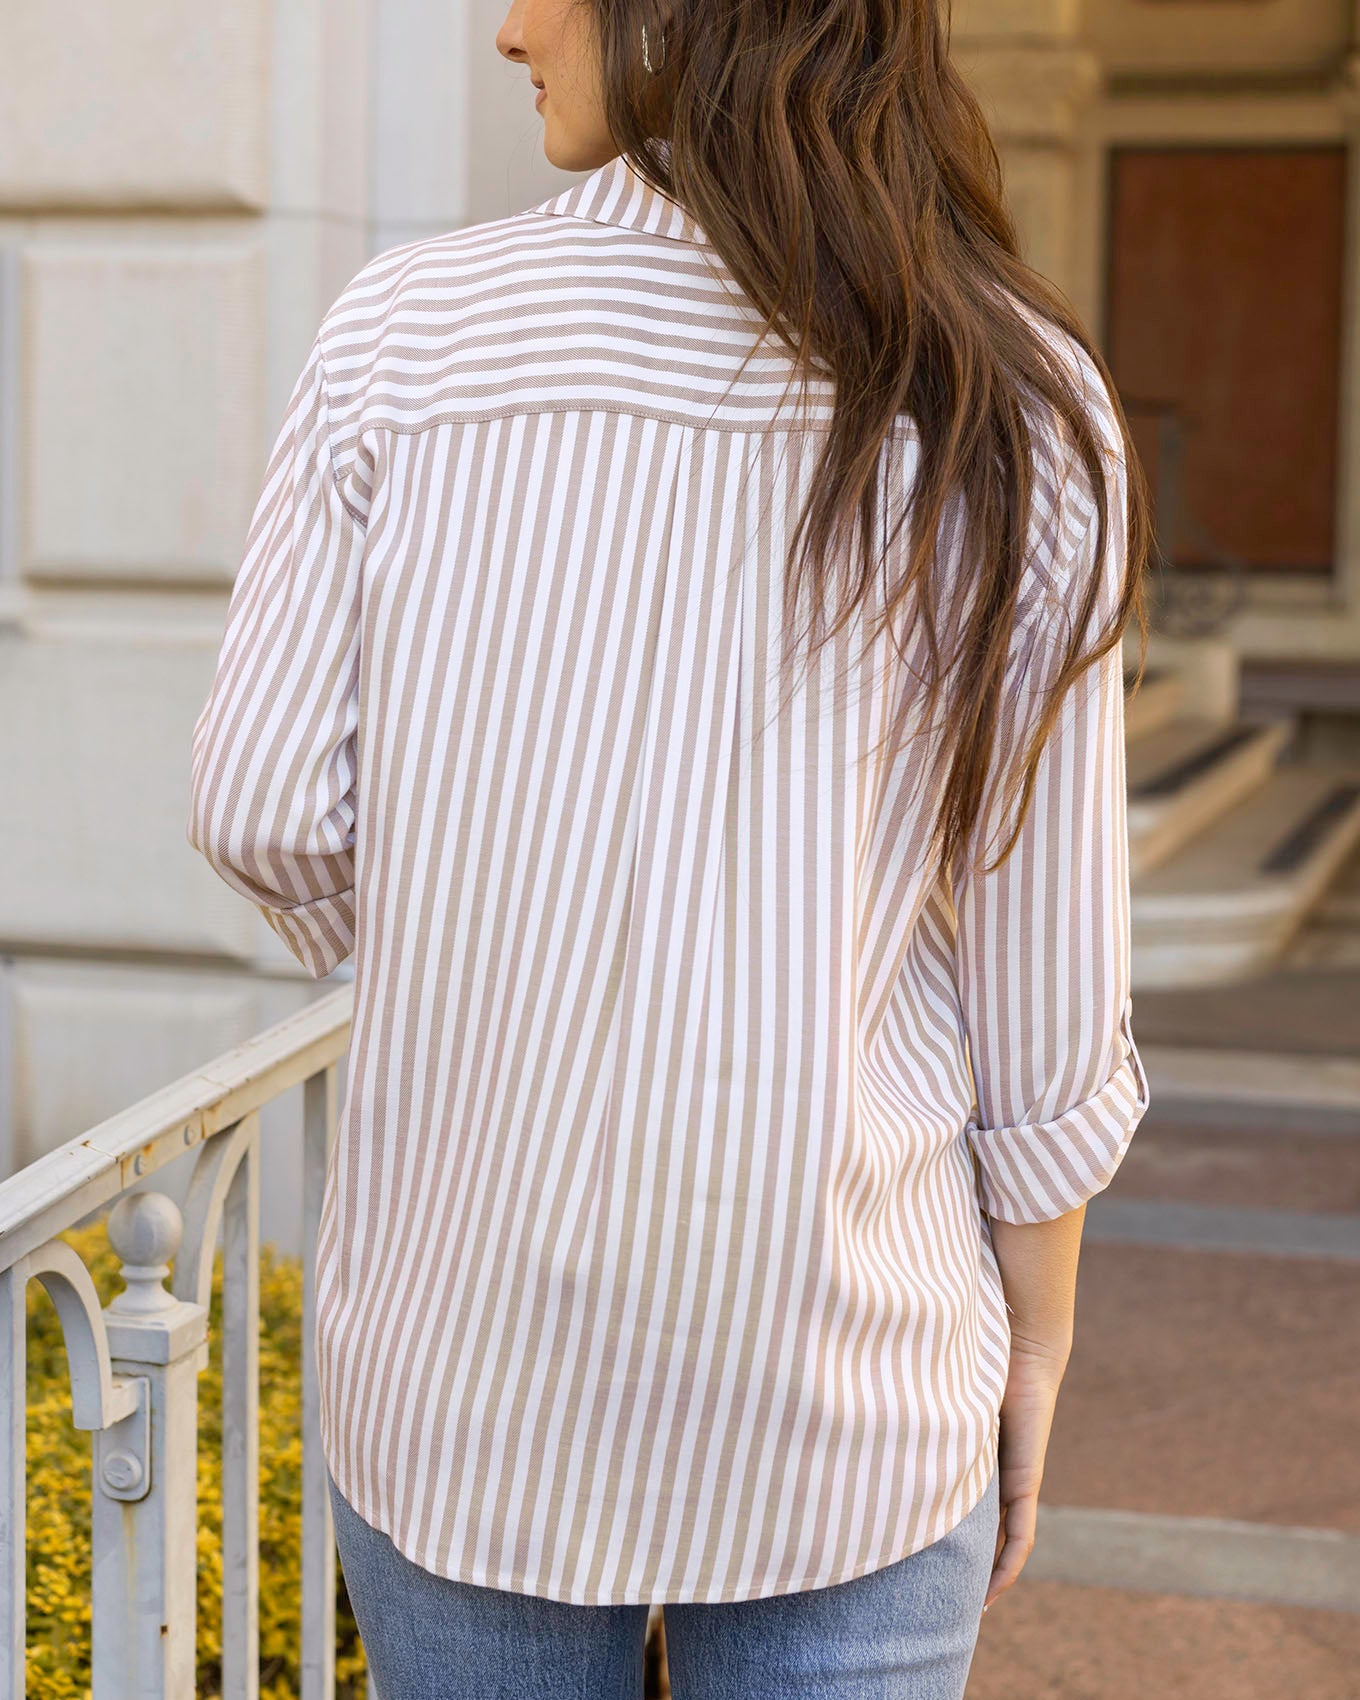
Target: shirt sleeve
(272,790)
(1043,942)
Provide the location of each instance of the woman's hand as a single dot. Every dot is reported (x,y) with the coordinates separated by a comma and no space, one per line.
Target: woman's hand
(1036,1372)
(1037,1262)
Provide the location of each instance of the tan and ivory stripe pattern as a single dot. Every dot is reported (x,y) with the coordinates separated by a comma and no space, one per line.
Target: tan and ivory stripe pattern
(654,1261)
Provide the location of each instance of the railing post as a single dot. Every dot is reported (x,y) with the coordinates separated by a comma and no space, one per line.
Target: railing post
(241,1424)
(320,1097)
(145,1511)
(14,1482)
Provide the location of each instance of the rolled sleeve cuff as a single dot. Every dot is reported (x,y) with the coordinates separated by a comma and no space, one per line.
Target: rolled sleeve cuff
(1037,1171)
(319,933)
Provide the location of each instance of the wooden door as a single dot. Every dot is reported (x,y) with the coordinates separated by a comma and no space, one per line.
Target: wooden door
(1224,305)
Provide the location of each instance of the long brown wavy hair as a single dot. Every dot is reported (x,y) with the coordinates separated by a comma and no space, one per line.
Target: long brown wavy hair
(837,162)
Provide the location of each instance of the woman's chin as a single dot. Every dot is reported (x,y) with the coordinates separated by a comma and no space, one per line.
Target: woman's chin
(570,152)
(553,151)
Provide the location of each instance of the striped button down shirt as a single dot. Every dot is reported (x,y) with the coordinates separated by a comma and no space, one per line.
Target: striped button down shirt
(654,1261)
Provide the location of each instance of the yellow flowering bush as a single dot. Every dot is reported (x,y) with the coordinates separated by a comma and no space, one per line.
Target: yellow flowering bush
(60,1487)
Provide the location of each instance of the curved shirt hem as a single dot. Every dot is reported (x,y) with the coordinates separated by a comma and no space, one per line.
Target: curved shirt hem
(977,1477)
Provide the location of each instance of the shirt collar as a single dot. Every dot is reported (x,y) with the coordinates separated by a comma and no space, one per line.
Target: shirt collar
(615,193)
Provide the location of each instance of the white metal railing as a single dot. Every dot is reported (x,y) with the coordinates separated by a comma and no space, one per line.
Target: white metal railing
(134,1364)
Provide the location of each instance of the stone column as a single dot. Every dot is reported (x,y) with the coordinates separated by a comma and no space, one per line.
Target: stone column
(1034,77)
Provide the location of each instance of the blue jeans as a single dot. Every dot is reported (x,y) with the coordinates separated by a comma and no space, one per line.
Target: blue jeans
(904,1632)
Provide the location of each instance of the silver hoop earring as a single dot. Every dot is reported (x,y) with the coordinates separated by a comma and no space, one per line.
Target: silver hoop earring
(646,57)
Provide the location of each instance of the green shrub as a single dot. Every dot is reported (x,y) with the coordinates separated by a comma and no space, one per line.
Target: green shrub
(59,1490)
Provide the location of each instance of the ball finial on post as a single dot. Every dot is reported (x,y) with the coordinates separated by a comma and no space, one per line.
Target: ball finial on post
(145,1230)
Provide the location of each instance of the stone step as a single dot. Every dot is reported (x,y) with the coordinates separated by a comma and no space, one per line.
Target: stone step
(1330,937)
(1158,700)
(1226,905)
(1283,1093)
(1187,773)
(1340,907)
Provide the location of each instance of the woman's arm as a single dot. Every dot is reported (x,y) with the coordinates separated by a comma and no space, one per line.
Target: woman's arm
(1043,969)
(1042,946)
(1038,1264)
(272,782)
